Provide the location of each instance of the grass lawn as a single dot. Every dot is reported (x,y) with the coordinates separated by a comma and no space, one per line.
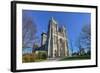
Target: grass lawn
(76,58)
(39,60)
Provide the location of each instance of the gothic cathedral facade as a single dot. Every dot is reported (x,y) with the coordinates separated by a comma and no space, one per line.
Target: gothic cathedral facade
(55,40)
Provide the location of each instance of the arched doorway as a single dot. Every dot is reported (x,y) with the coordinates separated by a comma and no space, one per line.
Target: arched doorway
(62,48)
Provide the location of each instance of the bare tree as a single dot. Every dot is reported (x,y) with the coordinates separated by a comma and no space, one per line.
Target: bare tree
(84,40)
(86,36)
(29,30)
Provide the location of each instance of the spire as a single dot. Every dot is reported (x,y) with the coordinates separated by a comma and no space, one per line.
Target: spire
(53,20)
(63,27)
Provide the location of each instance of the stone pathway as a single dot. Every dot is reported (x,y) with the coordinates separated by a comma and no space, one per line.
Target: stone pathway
(53,59)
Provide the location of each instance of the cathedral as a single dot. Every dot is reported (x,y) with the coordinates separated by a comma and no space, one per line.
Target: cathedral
(55,40)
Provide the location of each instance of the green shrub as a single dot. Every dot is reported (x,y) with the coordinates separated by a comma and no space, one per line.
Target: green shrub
(42,55)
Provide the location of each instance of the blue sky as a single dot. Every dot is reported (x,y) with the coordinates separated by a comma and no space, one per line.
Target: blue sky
(73,21)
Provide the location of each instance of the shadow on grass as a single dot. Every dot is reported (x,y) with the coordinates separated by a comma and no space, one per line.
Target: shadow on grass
(76,58)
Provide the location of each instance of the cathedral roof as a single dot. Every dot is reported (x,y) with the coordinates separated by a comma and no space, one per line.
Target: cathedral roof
(44,33)
(42,48)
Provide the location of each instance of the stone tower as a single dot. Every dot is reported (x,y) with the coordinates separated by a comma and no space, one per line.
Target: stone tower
(57,44)
(43,39)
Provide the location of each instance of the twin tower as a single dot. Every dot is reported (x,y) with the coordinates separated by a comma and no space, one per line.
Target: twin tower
(55,40)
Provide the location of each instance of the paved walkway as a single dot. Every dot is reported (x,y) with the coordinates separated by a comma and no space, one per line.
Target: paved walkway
(53,59)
